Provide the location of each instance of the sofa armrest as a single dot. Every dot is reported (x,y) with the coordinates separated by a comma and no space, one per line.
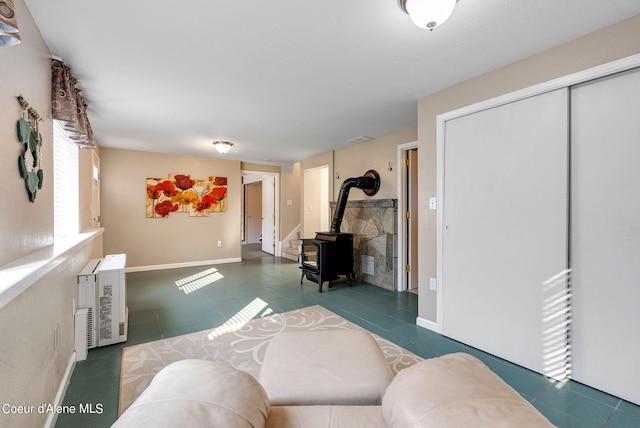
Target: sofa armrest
(456,390)
(198,393)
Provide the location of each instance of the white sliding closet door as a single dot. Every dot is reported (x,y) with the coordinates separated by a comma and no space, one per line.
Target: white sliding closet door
(605,244)
(504,237)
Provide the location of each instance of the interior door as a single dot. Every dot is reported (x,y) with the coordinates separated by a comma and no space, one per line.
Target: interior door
(253,209)
(504,229)
(605,234)
(268,214)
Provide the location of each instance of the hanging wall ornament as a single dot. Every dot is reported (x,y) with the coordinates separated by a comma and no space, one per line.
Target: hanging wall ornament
(30,158)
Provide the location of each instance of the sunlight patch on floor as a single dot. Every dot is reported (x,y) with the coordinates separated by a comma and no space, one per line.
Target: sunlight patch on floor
(199,280)
(246,314)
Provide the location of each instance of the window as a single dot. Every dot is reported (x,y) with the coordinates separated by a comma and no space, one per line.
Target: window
(65,184)
(95,191)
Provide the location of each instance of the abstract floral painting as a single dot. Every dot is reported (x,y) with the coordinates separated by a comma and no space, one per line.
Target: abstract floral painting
(179,193)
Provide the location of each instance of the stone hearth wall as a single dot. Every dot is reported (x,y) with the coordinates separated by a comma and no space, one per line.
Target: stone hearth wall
(375,239)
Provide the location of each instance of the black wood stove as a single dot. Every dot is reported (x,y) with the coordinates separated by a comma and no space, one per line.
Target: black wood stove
(330,254)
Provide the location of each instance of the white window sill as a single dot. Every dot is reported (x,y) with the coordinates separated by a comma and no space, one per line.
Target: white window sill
(17,276)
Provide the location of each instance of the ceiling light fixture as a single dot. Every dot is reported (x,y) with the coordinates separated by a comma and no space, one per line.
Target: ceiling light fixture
(428,14)
(8,24)
(222,146)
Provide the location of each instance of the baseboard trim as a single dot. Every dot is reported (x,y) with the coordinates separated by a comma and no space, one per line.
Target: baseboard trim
(62,390)
(181,265)
(430,325)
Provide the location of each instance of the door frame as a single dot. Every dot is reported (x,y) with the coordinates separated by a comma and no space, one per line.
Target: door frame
(403,256)
(249,204)
(258,176)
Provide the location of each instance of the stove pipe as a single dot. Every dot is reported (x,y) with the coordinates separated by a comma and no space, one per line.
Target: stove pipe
(369,183)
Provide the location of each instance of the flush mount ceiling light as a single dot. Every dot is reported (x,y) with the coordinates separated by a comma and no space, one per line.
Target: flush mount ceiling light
(222,146)
(428,14)
(8,24)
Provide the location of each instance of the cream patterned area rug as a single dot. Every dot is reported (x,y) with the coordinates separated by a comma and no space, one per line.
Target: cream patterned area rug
(240,342)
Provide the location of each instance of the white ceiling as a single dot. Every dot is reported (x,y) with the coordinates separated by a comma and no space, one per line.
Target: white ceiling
(281,79)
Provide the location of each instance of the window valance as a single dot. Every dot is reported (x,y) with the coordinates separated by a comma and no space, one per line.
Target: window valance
(9,33)
(68,105)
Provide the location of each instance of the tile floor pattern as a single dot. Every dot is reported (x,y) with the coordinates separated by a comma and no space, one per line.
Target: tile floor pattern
(174,302)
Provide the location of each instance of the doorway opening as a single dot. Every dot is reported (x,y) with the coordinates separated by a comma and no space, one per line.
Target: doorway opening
(259,225)
(316,209)
(408,217)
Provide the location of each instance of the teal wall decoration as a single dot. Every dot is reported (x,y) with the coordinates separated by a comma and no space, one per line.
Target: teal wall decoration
(29,161)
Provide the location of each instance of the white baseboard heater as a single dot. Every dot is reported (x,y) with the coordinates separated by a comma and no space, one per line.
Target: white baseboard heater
(102,291)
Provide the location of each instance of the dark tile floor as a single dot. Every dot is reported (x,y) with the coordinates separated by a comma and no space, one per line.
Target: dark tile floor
(178,301)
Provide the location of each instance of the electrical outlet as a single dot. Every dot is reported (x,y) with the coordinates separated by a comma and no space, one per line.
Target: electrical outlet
(433,285)
(219,243)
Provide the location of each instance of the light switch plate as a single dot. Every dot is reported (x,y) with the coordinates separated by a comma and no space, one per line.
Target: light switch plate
(433,205)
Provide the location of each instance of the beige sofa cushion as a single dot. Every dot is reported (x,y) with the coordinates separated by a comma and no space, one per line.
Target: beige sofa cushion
(453,391)
(326,417)
(197,393)
(326,367)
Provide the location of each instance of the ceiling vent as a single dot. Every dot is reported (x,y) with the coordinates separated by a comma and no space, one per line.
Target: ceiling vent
(360,139)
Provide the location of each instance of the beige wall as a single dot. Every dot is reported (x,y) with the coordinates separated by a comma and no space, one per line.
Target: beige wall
(113,164)
(31,370)
(355,160)
(24,70)
(177,238)
(310,163)
(611,43)
(289,191)
(85,188)
(260,167)
(316,161)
